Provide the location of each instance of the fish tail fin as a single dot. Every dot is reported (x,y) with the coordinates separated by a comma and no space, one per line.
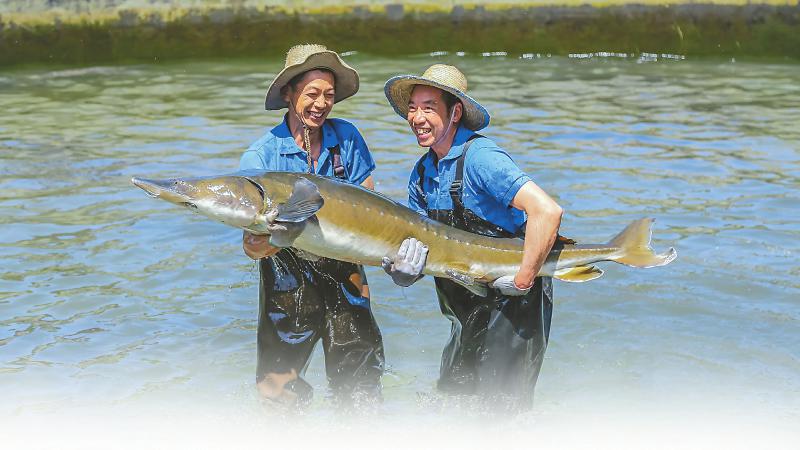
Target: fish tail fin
(634,246)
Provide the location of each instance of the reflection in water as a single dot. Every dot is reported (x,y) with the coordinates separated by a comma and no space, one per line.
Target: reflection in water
(108,296)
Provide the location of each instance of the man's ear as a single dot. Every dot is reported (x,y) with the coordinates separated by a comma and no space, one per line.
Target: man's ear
(458,109)
(285,94)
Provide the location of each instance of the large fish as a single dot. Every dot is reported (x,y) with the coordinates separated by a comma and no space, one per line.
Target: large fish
(349,223)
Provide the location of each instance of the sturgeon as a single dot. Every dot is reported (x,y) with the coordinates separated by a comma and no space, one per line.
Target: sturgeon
(353,224)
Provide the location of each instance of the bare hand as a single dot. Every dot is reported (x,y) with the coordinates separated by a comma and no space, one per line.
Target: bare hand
(257,246)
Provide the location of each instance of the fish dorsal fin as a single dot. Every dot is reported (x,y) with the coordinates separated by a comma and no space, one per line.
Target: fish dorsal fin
(468,282)
(578,274)
(304,202)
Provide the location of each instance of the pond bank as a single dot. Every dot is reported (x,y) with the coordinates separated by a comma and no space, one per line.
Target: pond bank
(86,36)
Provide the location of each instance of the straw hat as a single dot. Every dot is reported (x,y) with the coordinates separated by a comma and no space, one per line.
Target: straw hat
(302,58)
(447,78)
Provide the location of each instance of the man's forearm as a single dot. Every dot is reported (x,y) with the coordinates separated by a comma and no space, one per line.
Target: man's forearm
(544,218)
(540,235)
(369,183)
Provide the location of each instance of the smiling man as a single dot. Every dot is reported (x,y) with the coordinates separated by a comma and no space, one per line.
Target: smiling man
(302,302)
(497,343)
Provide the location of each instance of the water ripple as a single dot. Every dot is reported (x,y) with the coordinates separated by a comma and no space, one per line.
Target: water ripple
(101,284)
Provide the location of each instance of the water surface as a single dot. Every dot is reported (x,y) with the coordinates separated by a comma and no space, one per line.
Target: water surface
(109,299)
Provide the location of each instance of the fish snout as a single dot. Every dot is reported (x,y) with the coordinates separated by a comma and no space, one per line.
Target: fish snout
(171,190)
(152,187)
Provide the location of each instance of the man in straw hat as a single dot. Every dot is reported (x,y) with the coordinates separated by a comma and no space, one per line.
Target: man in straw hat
(302,301)
(497,343)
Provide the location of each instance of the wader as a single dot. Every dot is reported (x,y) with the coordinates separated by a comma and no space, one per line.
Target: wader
(497,343)
(301,302)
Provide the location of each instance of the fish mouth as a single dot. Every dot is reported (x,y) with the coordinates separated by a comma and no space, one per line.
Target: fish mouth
(164,189)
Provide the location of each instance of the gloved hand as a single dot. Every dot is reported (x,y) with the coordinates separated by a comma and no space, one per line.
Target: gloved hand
(506,286)
(406,267)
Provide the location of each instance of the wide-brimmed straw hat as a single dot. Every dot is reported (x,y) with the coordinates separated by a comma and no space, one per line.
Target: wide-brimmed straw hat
(302,58)
(447,78)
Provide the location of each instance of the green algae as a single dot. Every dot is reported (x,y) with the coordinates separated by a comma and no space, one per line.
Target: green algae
(740,31)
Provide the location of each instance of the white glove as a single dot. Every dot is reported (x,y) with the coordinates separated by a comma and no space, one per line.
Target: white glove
(407,266)
(506,286)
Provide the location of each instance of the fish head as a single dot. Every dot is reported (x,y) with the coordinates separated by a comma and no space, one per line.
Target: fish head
(233,200)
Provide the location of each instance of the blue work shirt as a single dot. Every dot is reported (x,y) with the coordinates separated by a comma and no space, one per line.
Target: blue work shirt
(491,180)
(277,150)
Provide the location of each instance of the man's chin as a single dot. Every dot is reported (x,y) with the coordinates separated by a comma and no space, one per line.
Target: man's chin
(312,122)
(425,142)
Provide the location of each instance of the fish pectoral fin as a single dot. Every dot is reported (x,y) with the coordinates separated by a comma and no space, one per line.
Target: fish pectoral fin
(468,282)
(303,203)
(284,234)
(479,289)
(578,274)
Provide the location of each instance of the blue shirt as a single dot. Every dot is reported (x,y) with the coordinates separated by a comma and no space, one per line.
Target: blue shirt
(277,150)
(491,180)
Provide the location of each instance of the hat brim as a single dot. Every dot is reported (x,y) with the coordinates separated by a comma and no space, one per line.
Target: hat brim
(398,92)
(346,78)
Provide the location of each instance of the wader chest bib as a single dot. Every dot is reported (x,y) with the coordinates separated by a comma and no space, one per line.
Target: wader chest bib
(497,343)
(301,302)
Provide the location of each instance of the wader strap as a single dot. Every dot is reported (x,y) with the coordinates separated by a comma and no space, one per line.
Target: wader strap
(457,187)
(420,167)
(338,167)
(457,182)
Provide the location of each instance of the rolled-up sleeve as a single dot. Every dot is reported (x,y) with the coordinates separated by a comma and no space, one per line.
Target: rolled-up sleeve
(360,164)
(252,160)
(497,174)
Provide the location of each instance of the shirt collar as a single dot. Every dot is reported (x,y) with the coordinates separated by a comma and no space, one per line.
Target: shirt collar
(329,137)
(457,148)
(287,145)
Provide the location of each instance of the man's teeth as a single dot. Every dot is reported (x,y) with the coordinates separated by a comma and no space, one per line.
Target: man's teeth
(315,115)
(421,131)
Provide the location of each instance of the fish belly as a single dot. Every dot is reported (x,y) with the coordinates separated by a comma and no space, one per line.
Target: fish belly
(331,241)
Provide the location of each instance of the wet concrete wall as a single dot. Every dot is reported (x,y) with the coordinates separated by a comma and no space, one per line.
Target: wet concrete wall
(93,31)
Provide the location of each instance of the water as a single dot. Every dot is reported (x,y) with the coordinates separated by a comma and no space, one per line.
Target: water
(111,301)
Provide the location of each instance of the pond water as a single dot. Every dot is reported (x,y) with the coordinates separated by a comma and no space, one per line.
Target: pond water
(113,302)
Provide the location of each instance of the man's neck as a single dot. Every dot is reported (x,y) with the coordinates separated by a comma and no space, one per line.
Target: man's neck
(443,148)
(296,128)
